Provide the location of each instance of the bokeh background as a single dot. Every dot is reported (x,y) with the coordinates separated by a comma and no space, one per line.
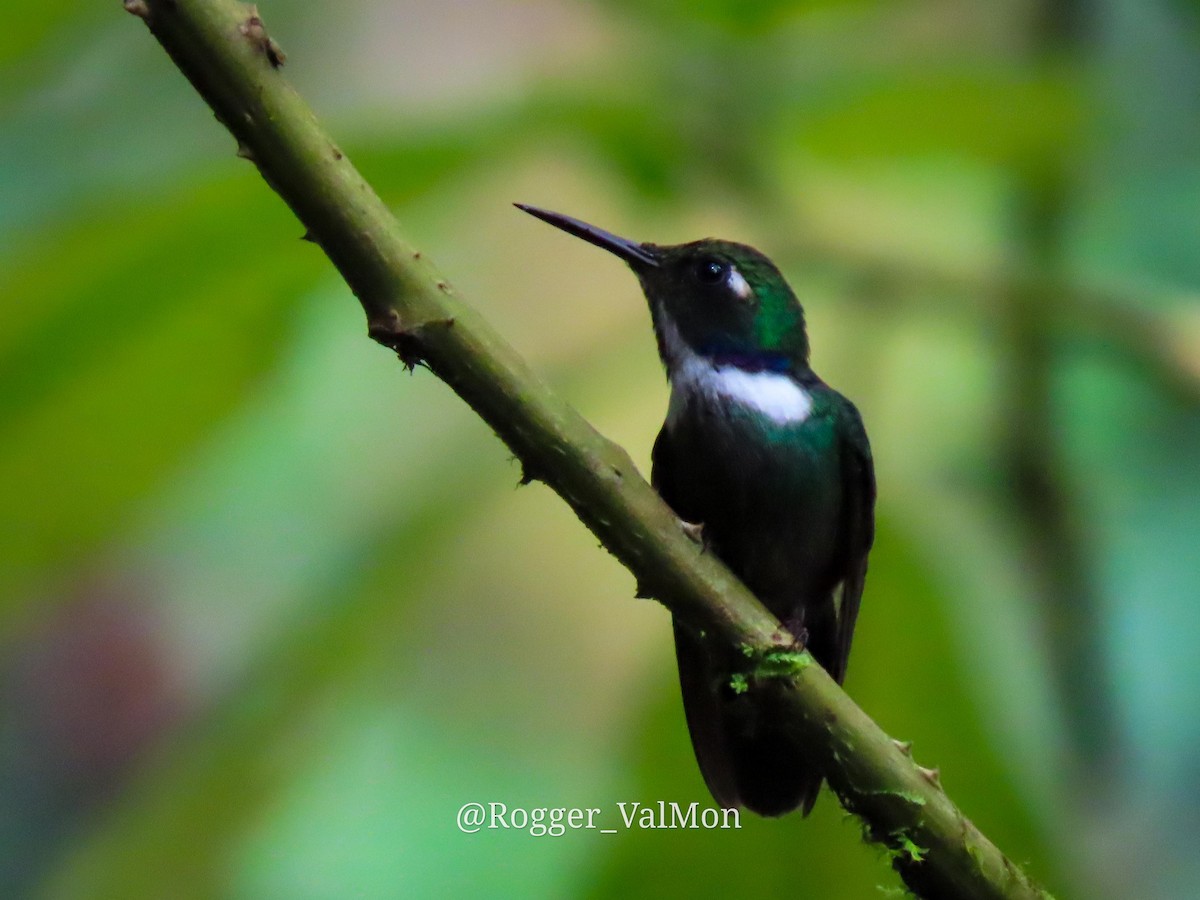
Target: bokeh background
(271,610)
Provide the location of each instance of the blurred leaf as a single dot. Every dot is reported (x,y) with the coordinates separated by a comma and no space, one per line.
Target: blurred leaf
(644,148)
(172,833)
(25,40)
(418,161)
(753,18)
(129,335)
(996,115)
(141,327)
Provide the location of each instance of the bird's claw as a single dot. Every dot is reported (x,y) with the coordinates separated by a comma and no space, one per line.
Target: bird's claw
(797,632)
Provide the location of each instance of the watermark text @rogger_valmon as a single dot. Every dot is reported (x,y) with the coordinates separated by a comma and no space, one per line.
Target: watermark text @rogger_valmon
(551,821)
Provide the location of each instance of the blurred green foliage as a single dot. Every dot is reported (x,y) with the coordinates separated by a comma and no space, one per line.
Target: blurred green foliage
(272,611)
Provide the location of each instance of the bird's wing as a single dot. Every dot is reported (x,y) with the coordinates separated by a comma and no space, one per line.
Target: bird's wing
(857,527)
(699,675)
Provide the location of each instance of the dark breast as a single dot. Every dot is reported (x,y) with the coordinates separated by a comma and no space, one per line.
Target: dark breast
(768,494)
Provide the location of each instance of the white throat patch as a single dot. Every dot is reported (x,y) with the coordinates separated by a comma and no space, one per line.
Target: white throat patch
(769,393)
(773,394)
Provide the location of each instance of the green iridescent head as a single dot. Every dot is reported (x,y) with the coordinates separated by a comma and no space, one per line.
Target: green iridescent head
(720,300)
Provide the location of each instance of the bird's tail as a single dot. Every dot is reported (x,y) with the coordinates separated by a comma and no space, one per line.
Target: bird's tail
(746,757)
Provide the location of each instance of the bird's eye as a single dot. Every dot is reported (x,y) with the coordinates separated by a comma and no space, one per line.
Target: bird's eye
(711,271)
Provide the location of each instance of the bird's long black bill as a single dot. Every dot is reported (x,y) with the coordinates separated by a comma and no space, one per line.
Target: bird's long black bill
(630,251)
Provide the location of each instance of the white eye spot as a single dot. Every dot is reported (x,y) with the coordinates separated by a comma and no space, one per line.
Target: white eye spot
(738,284)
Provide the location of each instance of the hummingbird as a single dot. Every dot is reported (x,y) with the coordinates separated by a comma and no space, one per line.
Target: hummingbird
(773,468)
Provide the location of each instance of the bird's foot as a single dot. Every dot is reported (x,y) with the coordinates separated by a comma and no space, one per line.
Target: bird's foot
(798,631)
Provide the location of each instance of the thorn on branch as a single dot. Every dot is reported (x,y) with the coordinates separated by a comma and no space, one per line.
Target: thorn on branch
(404,341)
(308,236)
(933,776)
(528,473)
(904,747)
(138,8)
(695,531)
(244,152)
(256,32)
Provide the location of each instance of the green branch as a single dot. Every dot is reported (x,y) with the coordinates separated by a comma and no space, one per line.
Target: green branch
(224,50)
